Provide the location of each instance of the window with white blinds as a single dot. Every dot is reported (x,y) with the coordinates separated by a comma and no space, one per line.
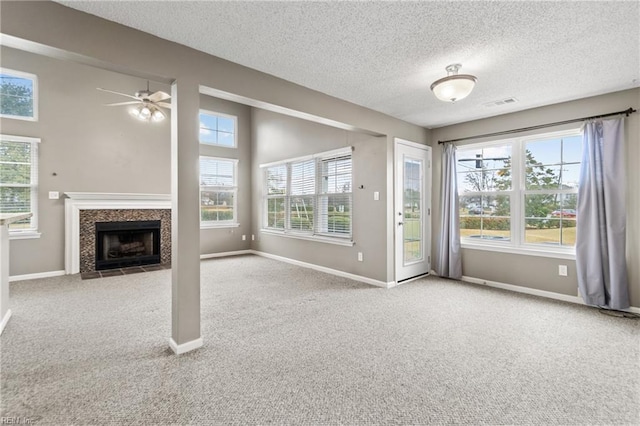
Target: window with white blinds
(275,196)
(311,195)
(218,191)
(19,180)
(335,198)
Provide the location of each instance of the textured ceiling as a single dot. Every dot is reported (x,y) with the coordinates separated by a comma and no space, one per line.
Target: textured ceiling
(385,55)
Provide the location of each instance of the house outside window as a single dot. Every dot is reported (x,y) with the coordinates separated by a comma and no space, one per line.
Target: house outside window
(19,182)
(521,193)
(18,95)
(218,192)
(310,196)
(218,129)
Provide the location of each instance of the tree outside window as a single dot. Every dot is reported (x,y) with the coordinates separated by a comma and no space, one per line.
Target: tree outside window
(17,94)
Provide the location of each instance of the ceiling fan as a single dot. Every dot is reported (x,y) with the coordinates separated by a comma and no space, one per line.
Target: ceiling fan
(147,104)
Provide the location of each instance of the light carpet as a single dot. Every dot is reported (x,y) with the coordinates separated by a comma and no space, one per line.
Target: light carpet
(289,345)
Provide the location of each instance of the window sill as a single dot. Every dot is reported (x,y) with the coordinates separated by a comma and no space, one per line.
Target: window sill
(24,235)
(205,225)
(316,238)
(19,117)
(215,145)
(526,251)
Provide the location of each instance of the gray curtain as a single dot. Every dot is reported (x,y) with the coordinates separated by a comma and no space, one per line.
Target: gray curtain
(449,261)
(601,218)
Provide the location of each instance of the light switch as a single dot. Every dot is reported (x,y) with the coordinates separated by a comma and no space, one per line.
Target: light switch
(376,196)
(54,195)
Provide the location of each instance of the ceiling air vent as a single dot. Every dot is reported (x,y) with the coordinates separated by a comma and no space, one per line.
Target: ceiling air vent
(505,101)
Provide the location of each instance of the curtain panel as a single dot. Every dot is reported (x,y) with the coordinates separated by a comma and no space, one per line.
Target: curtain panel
(601,216)
(449,260)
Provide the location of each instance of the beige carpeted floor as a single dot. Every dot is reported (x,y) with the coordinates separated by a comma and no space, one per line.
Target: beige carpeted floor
(288,345)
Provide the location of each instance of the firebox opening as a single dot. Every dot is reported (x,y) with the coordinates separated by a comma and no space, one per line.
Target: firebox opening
(124,244)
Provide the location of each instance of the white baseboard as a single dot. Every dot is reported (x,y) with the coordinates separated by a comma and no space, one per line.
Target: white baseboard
(535,292)
(331,271)
(185,347)
(225,254)
(5,320)
(36,276)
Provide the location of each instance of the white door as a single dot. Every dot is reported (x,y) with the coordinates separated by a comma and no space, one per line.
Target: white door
(412,209)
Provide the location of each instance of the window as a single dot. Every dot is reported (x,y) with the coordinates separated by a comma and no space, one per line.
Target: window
(521,193)
(218,129)
(218,192)
(19,181)
(18,95)
(310,196)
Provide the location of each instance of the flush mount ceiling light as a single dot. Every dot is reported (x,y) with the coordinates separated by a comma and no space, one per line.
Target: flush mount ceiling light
(454,86)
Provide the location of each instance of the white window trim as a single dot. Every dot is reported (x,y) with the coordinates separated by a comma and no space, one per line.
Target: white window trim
(346,240)
(516,245)
(340,241)
(19,234)
(233,223)
(235,129)
(29,76)
(24,235)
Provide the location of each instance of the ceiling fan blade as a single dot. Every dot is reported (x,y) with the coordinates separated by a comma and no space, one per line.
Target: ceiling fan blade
(117,93)
(123,103)
(159,96)
(163,105)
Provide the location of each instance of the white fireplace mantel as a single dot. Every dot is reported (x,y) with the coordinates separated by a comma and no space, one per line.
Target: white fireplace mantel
(77,201)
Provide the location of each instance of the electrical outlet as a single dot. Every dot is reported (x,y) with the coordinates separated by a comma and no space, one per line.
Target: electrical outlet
(562,270)
(360,257)
(244,238)
(54,195)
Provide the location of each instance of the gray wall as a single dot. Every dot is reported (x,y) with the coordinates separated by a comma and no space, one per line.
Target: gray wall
(94,148)
(278,137)
(89,147)
(542,272)
(87,38)
(230,239)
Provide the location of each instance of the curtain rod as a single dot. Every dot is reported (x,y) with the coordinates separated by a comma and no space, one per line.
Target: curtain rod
(627,112)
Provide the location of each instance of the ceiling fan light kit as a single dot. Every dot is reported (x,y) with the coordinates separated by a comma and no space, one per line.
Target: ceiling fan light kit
(454,86)
(147,113)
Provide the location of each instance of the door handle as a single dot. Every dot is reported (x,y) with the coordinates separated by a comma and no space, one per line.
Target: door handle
(400,223)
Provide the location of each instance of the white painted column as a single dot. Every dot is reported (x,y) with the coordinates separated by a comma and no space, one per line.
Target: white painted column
(5,313)
(185,217)
(5,220)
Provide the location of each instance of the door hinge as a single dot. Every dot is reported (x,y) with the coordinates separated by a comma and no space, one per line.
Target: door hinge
(428,212)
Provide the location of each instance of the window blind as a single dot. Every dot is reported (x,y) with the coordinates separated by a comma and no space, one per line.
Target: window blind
(19,179)
(311,195)
(218,190)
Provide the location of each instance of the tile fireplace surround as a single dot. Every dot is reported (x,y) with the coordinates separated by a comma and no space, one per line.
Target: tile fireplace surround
(83,209)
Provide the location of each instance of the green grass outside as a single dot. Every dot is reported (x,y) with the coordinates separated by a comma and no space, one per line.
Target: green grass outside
(531,235)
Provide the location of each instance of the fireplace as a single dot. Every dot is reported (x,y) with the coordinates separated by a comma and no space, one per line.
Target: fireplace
(124,244)
(84,209)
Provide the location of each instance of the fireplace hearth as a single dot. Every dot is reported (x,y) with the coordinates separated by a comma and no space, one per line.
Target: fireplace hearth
(128,243)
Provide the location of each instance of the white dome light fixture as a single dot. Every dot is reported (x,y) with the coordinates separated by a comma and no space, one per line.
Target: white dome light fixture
(454,86)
